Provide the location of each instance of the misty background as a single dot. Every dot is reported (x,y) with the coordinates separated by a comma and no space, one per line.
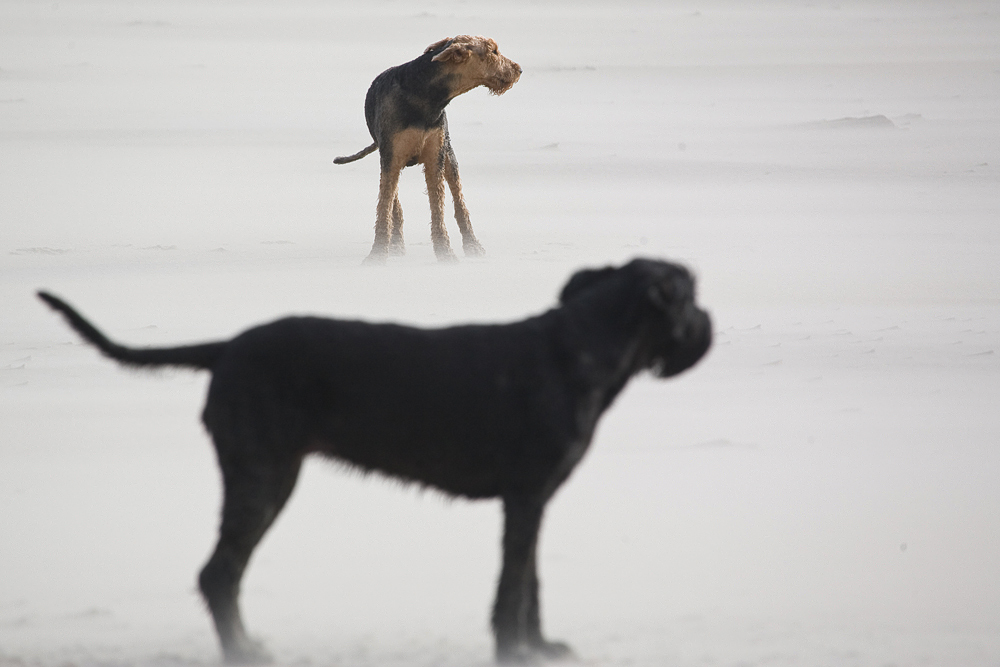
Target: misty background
(821,490)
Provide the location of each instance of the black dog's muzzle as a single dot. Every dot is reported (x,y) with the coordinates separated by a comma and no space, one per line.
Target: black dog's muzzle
(688,341)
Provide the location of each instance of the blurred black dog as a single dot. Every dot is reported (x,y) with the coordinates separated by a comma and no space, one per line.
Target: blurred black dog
(481,411)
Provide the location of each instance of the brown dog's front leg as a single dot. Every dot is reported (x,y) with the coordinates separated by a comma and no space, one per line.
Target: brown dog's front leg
(434,176)
(470,244)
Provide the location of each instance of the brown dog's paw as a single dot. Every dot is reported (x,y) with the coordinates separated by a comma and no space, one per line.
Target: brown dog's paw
(446,255)
(376,258)
(473,248)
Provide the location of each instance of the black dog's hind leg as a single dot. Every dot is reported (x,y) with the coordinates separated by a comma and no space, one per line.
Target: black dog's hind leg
(516,617)
(254,493)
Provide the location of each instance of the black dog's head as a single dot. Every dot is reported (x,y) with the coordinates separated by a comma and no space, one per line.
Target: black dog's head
(675,333)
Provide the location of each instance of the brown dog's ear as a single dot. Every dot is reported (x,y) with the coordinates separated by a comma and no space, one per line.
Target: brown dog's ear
(456,53)
(437,45)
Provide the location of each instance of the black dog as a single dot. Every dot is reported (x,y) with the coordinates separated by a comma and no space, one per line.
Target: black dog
(482,411)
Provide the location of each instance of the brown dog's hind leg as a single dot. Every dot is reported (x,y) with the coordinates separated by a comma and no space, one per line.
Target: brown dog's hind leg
(253,496)
(387,199)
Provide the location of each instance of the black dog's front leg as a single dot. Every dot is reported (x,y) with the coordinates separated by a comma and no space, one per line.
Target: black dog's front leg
(533,626)
(516,616)
(522,519)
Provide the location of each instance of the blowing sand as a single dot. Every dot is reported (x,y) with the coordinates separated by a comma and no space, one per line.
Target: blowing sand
(824,489)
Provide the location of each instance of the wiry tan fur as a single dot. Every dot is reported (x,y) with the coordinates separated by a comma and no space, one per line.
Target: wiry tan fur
(487,67)
(404,110)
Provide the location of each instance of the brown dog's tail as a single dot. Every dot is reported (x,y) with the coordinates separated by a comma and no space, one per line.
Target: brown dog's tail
(192,356)
(357,156)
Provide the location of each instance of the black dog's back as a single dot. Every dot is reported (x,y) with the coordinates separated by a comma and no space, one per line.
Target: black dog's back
(439,407)
(371,394)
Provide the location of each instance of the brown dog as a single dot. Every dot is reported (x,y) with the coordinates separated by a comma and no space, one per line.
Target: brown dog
(404,110)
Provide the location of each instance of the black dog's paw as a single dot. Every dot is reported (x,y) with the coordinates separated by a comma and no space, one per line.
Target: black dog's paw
(535,653)
(248,652)
(520,655)
(553,650)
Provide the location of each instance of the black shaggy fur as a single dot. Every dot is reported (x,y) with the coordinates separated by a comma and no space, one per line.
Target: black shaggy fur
(484,411)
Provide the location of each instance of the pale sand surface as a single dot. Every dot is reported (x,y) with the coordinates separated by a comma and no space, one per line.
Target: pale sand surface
(824,489)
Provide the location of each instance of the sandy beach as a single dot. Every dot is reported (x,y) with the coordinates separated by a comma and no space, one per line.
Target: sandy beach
(822,490)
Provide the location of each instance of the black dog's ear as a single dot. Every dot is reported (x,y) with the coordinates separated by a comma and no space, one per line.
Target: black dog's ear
(584,280)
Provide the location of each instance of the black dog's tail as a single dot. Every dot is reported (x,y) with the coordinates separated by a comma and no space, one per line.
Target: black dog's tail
(193,356)
(357,156)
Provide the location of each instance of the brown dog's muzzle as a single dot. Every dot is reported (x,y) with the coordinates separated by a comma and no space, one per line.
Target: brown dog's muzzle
(501,83)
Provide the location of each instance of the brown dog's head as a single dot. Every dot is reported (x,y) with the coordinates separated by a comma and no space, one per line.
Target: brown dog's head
(476,61)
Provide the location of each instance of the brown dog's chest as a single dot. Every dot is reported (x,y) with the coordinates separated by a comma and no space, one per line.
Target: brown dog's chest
(414,146)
